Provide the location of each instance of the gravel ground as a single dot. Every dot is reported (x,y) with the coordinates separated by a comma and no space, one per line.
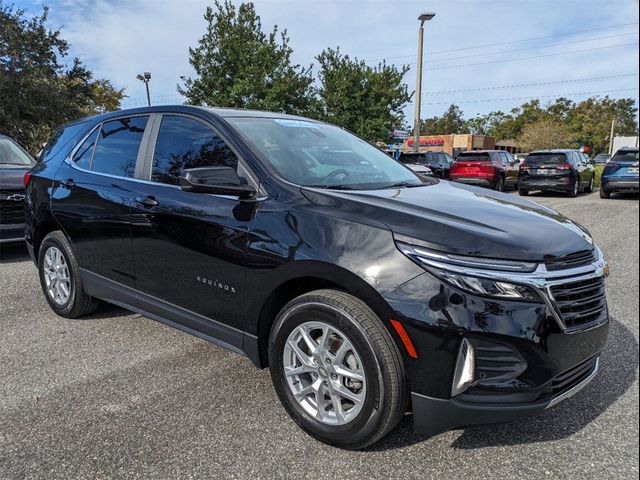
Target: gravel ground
(118,395)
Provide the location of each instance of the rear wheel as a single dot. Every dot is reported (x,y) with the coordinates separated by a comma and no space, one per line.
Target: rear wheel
(604,193)
(500,184)
(60,278)
(523,192)
(336,369)
(592,182)
(575,190)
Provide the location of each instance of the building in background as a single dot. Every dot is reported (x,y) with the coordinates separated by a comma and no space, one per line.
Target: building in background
(452,144)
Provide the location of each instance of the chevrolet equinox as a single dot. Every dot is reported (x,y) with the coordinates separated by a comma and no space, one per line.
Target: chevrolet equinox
(369,292)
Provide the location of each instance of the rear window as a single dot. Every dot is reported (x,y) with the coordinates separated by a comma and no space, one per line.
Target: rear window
(546,159)
(474,157)
(60,139)
(625,156)
(404,158)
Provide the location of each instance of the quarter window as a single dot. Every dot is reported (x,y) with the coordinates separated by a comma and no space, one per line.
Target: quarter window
(184,143)
(85,152)
(118,144)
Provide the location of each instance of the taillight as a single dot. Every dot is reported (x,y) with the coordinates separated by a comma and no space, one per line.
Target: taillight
(565,166)
(524,166)
(26,179)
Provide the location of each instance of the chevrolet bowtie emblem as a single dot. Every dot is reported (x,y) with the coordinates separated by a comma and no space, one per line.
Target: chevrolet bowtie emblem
(16,197)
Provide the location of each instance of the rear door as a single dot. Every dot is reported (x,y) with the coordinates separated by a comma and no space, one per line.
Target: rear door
(92,195)
(189,248)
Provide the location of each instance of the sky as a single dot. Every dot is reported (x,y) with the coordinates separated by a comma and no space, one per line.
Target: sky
(483,55)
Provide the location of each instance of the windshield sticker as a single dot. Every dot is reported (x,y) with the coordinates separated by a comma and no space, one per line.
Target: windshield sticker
(295,123)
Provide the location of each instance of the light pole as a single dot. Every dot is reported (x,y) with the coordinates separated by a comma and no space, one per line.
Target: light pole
(145,78)
(416,124)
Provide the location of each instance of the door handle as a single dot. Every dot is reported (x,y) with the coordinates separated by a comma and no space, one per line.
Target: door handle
(147,202)
(69,183)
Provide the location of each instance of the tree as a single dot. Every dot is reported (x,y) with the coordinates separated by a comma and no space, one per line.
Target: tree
(451,122)
(485,124)
(238,65)
(38,92)
(545,134)
(366,100)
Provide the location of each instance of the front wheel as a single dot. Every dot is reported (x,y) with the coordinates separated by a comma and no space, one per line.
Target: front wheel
(589,188)
(336,369)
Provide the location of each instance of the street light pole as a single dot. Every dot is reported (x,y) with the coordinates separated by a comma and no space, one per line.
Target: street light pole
(145,79)
(416,122)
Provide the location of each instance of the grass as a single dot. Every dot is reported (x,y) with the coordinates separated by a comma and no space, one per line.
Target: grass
(599,170)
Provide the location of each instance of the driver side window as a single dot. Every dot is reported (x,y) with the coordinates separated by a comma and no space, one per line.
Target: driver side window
(185,143)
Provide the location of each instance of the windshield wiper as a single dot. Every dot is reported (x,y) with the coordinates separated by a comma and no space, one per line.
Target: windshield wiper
(401,185)
(333,187)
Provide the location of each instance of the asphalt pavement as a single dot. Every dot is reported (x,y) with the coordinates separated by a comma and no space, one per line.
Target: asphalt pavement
(117,395)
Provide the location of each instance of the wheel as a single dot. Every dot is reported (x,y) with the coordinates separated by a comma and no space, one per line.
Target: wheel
(500,184)
(336,369)
(60,279)
(604,194)
(576,189)
(589,188)
(523,192)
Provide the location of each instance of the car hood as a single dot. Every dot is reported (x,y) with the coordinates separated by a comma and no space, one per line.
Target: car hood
(464,220)
(12,176)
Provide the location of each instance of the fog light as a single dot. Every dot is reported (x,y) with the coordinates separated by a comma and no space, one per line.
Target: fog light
(465,367)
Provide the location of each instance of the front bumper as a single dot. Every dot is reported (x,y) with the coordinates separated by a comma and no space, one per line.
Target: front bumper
(528,355)
(435,415)
(11,233)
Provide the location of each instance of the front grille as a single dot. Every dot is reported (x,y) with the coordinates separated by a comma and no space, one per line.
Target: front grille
(11,211)
(573,260)
(572,377)
(582,303)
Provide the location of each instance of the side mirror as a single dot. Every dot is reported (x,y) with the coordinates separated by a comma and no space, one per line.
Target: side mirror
(217,180)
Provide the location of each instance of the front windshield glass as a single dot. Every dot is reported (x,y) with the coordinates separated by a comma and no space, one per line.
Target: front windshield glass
(12,154)
(319,155)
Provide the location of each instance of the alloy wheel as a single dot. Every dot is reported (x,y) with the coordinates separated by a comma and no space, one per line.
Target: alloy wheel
(56,276)
(325,373)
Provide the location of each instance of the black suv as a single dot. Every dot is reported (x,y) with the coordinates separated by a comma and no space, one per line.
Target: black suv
(14,163)
(439,162)
(366,290)
(565,171)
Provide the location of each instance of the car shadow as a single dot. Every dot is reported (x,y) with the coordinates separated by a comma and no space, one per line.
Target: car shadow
(624,196)
(13,253)
(619,366)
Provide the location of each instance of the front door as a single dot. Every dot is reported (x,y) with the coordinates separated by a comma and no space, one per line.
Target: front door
(189,248)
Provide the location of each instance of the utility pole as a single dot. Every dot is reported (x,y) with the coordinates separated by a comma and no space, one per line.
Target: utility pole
(145,79)
(416,123)
(613,128)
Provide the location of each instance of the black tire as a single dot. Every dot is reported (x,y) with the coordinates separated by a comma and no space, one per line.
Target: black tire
(79,303)
(576,190)
(523,193)
(499,187)
(386,397)
(604,194)
(592,182)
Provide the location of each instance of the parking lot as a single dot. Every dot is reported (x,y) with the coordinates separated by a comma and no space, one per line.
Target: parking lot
(118,395)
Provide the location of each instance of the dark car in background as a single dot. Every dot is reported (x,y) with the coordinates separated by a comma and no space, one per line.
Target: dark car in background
(601,158)
(14,163)
(620,175)
(565,171)
(439,162)
(483,168)
(366,290)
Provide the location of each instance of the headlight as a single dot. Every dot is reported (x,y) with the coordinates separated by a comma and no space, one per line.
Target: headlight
(480,276)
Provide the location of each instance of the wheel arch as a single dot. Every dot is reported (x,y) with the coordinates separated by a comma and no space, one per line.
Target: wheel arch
(304,278)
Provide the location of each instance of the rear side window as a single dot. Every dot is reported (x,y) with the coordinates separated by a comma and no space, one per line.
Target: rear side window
(118,144)
(184,143)
(625,156)
(85,152)
(412,159)
(546,159)
(474,157)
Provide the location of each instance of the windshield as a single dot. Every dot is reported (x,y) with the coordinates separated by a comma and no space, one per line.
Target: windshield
(12,154)
(319,155)
(628,156)
(546,158)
